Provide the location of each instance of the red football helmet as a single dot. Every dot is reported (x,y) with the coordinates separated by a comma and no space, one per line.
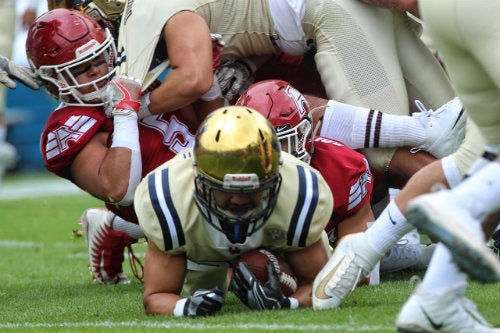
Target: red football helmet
(287,110)
(62,39)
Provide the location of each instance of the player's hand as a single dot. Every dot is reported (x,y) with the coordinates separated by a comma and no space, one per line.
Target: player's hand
(204,302)
(234,78)
(254,294)
(9,71)
(122,96)
(217,46)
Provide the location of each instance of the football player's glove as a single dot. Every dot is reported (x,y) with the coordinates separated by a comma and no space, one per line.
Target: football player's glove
(203,302)
(9,71)
(234,78)
(257,295)
(122,96)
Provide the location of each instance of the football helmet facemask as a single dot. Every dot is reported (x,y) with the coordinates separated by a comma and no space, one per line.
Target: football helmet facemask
(236,152)
(287,110)
(63,40)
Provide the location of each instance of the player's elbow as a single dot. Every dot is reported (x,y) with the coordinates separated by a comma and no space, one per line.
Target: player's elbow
(197,84)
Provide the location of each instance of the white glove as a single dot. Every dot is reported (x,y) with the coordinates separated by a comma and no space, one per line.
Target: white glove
(122,96)
(9,71)
(234,78)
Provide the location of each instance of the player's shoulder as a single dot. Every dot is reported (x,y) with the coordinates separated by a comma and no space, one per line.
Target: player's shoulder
(80,117)
(327,151)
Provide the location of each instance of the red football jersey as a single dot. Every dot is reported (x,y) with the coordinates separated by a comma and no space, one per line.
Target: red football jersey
(348,174)
(70,128)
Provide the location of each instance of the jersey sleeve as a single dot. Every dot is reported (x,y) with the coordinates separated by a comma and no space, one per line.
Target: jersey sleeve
(66,132)
(347,173)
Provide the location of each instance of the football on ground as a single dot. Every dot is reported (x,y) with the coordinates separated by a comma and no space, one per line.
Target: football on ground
(256,261)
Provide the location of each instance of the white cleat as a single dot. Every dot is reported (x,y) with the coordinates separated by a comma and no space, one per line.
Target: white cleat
(105,246)
(440,217)
(403,256)
(352,260)
(425,312)
(445,128)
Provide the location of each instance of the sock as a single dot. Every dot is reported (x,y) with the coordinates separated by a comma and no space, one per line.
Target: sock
(131,229)
(442,273)
(487,157)
(360,127)
(389,227)
(480,192)
(451,171)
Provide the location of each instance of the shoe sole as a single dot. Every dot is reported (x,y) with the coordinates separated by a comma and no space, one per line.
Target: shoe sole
(469,254)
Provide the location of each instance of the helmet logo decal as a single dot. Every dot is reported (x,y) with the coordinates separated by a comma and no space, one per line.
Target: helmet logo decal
(84,49)
(299,100)
(249,181)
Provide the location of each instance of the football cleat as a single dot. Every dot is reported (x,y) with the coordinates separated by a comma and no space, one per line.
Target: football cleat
(442,218)
(105,246)
(425,312)
(403,256)
(445,128)
(352,260)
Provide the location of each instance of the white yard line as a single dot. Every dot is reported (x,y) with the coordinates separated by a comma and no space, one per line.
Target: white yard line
(201,327)
(34,188)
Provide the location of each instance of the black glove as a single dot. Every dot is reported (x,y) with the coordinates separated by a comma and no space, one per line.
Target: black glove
(204,302)
(234,78)
(256,295)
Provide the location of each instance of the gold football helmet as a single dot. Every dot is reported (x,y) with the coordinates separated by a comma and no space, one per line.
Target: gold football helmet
(108,9)
(237,151)
(107,12)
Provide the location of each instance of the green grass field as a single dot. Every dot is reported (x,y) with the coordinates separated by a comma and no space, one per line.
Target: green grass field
(45,285)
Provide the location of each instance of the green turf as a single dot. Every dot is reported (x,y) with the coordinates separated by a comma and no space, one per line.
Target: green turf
(45,286)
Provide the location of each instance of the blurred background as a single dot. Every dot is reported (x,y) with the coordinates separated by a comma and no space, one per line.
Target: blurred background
(26,110)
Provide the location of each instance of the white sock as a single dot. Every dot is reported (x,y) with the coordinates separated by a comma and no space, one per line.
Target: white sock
(131,229)
(389,227)
(482,161)
(360,127)
(451,171)
(480,192)
(442,272)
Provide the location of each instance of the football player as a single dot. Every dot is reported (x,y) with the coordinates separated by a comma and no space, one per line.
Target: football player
(234,201)
(346,171)
(105,157)
(72,59)
(385,77)
(439,303)
(457,217)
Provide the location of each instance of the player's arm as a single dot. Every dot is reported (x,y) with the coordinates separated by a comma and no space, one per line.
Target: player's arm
(113,174)
(356,222)
(163,279)
(189,48)
(306,263)
(101,171)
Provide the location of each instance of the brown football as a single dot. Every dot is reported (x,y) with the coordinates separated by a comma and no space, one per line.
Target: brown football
(256,261)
